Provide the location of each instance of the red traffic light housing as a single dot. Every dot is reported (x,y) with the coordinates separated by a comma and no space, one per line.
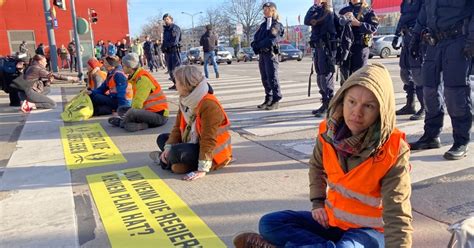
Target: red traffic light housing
(61,4)
(93,16)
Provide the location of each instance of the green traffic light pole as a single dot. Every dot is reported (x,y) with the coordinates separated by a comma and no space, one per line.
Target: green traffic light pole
(51,38)
(77,41)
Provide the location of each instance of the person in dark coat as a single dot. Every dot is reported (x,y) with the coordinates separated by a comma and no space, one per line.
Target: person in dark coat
(323,33)
(170,46)
(265,43)
(448,29)
(208,42)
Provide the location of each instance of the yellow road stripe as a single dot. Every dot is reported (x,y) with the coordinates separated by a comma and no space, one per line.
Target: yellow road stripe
(88,145)
(138,209)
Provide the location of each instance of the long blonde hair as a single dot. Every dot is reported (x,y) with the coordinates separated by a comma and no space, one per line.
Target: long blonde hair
(275,14)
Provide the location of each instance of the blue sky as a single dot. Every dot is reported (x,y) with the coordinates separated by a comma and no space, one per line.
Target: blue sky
(141,10)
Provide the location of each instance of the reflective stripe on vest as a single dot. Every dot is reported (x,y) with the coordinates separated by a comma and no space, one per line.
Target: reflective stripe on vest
(354,198)
(222,153)
(113,86)
(156,101)
(92,83)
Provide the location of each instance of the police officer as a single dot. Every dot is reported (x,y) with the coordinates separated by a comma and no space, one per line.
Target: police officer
(265,43)
(449,33)
(170,46)
(410,67)
(323,33)
(364,23)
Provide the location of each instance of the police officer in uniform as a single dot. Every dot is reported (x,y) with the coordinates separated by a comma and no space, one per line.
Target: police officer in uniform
(323,33)
(449,33)
(410,67)
(265,43)
(170,46)
(364,23)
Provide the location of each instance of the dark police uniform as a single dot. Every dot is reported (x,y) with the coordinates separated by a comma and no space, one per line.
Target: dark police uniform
(323,34)
(410,67)
(265,44)
(170,47)
(449,33)
(359,54)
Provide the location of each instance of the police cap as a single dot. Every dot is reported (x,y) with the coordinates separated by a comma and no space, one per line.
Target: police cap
(269,4)
(165,15)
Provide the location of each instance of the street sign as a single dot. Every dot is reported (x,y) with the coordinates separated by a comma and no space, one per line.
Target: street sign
(239,29)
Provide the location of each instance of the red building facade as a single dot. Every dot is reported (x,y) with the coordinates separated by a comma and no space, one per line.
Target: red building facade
(24,20)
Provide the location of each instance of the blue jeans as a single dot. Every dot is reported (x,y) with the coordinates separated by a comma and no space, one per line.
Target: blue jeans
(211,55)
(299,229)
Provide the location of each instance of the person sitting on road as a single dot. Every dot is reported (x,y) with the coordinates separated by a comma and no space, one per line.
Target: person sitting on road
(95,76)
(359,176)
(37,86)
(115,92)
(149,105)
(199,141)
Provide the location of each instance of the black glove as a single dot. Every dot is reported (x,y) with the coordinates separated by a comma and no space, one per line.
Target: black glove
(469,49)
(395,42)
(414,46)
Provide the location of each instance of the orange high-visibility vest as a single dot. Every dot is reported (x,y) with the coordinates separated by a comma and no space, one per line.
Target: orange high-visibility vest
(92,83)
(156,101)
(222,153)
(354,199)
(113,86)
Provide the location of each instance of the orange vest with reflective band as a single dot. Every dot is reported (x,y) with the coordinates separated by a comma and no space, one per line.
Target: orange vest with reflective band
(354,199)
(222,154)
(113,89)
(156,101)
(92,83)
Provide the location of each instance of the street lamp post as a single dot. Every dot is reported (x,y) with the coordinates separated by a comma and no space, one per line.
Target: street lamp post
(192,21)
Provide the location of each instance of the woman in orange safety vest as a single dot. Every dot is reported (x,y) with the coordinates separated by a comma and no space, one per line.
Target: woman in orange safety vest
(358,178)
(200,140)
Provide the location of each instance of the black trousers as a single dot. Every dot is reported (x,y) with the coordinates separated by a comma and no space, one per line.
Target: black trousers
(185,153)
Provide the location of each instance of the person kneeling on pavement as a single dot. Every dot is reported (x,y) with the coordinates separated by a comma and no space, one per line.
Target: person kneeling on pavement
(358,176)
(149,105)
(115,92)
(200,140)
(36,85)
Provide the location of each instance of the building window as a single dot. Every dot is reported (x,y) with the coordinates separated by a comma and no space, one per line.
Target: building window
(16,37)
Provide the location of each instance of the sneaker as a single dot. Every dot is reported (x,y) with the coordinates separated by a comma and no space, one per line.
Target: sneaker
(425,143)
(420,115)
(251,240)
(172,87)
(456,152)
(155,156)
(25,107)
(272,106)
(217,75)
(264,104)
(134,126)
(115,121)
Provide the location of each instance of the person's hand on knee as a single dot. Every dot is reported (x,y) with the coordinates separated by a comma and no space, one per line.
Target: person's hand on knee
(165,153)
(320,215)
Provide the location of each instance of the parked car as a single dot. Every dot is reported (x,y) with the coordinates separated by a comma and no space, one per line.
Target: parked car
(184,58)
(196,55)
(223,55)
(382,46)
(289,52)
(246,54)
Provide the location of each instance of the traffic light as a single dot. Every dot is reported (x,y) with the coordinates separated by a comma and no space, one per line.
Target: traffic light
(60,4)
(93,16)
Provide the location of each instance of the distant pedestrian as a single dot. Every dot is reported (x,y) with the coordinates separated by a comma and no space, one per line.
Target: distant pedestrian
(149,52)
(40,49)
(200,141)
(23,49)
(111,49)
(71,48)
(170,46)
(137,48)
(63,55)
(209,43)
(120,49)
(265,43)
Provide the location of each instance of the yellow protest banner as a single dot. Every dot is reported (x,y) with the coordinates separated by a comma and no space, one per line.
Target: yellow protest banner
(138,209)
(89,145)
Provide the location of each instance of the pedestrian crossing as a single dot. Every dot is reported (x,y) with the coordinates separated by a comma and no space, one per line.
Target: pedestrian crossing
(240,94)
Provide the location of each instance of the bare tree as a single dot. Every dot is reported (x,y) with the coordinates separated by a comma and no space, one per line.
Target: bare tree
(246,12)
(154,27)
(211,16)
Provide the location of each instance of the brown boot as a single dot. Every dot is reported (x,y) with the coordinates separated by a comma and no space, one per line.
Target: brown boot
(181,168)
(251,240)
